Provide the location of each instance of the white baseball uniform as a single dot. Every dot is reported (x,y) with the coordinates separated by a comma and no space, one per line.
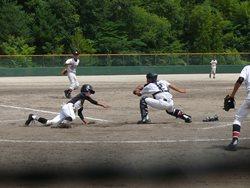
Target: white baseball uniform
(71,71)
(69,109)
(162,98)
(213,66)
(244,109)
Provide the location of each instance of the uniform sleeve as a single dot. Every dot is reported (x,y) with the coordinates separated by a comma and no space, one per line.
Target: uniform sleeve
(91,100)
(68,62)
(167,83)
(80,113)
(243,73)
(145,90)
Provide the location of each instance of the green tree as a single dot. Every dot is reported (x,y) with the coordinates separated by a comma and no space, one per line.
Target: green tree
(79,42)
(54,23)
(152,30)
(236,34)
(205,29)
(16,46)
(174,13)
(14,23)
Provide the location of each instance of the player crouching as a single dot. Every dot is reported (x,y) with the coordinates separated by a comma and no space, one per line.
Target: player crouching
(67,113)
(162,98)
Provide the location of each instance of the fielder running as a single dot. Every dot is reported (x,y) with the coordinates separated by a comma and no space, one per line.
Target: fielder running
(162,98)
(70,71)
(243,110)
(67,113)
(213,63)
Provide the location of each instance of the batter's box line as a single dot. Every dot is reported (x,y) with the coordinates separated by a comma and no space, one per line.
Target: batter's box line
(116,141)
(49,112)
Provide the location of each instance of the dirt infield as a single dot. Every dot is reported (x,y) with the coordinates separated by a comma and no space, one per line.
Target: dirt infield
(114,151)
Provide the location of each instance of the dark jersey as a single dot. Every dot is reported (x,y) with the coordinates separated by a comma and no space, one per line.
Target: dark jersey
(81,97)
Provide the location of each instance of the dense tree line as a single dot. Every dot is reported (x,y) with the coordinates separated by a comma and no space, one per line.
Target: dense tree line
(124,26)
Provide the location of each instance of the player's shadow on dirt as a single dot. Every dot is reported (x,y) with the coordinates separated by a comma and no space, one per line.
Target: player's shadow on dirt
(127,123)
(57,97)
(223,147)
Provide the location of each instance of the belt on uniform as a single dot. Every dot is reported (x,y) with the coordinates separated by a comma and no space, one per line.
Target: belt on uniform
(159,92)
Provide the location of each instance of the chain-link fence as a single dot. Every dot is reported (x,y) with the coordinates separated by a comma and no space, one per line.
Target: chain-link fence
(126,59)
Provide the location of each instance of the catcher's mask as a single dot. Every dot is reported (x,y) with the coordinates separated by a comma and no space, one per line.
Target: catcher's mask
(152,77)
(87,88)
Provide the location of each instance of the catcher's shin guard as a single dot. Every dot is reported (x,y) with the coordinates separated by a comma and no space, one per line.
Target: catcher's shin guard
(144,108)
(179,114)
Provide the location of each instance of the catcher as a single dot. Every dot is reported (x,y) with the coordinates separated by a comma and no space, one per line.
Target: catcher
(162,99)
(70,71)
(67,113)
(243,110)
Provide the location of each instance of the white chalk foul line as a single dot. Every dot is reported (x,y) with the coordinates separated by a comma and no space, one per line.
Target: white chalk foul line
(44,111)
(11,120)
(216,127)
(115,141)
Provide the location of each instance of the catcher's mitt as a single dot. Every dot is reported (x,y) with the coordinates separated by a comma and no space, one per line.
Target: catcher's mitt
(229,103)
(64,72)
(137,90)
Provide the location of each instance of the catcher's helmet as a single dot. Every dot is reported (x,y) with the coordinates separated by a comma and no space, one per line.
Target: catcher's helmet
(87,88)
(152,77)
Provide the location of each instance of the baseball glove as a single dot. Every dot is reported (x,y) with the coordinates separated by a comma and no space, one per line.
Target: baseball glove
(64,72)
(229,103)
(137,90)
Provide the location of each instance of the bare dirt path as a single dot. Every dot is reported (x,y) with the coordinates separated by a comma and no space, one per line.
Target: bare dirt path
(115,151)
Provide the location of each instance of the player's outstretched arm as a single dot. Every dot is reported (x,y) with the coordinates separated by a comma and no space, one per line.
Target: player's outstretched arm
(103,105)
(236,86)
(180,90)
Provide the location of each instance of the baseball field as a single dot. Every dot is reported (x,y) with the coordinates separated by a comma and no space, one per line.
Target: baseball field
(113,151)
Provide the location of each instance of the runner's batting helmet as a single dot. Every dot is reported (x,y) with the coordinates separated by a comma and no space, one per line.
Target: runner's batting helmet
(87,88)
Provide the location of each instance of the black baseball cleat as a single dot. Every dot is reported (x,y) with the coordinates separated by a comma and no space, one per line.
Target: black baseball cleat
(231,147)
(187,118)
(144,121)
(67,94)
(30,118)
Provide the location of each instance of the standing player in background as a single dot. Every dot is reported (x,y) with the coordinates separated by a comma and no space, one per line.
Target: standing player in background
(70,71)
(67,113)
(162,99)
(244,109)
(213,63)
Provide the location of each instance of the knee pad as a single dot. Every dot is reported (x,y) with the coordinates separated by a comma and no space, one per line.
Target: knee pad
(143,100)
